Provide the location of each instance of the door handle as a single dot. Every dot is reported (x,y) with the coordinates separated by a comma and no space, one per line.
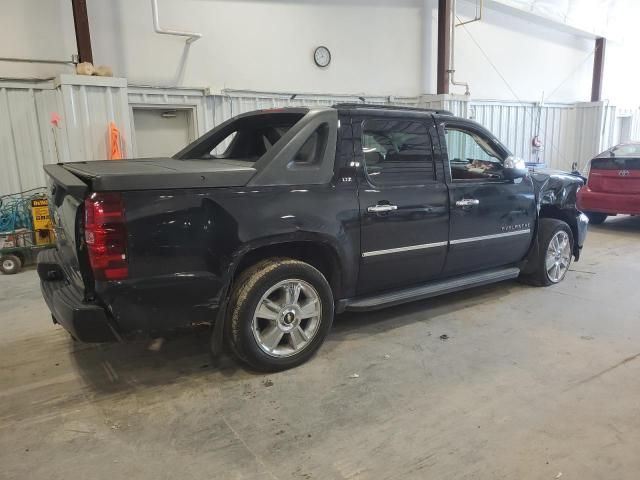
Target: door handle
(467,202)
(380,208)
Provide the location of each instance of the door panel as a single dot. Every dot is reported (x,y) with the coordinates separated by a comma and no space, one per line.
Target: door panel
(496,231)
(404,246)
(403,205)
(492,218)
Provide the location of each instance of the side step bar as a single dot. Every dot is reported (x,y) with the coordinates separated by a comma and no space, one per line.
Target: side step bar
(388,299)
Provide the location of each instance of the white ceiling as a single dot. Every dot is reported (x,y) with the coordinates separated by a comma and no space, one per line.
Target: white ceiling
(608,18)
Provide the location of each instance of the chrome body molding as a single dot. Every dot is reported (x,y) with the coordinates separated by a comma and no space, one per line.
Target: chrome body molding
(443,244)
(490,237)
(373,253)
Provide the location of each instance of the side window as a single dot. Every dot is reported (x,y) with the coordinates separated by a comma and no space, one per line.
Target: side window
(252,143)
(312,151)
(220,149)
(397,152)
(471,157)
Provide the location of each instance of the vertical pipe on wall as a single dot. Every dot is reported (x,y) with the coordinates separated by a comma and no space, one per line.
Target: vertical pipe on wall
(598,69)
(452,62)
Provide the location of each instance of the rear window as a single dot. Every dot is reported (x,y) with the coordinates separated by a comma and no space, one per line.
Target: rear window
(614,163)
(631,150)
(312,151)
(246,139)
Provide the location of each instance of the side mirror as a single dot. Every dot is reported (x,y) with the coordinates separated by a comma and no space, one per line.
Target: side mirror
(514,167)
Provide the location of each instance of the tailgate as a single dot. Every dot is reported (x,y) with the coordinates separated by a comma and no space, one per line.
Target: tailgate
(66,196)
(615,175)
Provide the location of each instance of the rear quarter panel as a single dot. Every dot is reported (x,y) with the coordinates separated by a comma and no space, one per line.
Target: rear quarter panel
(183,244)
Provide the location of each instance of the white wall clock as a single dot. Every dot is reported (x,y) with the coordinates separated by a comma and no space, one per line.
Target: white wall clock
(322,56)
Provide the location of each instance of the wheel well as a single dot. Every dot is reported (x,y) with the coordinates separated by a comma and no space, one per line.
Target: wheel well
(552,211)
(319,255)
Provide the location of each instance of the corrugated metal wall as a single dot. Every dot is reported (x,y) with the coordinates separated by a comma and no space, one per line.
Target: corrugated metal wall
(456,104)
(635,124)
(569,133)
(29,140)
(90,104)
(86,105)
(593,130)
(517,124)
(223,107)
(627,119)
(212,110)
(26,143)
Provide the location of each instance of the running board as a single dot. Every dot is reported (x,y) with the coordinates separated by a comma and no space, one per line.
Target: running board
(388,299)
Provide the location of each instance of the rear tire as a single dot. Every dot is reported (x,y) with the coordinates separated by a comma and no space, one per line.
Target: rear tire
(596,218)
(552,262)
(280,313)
(10,264)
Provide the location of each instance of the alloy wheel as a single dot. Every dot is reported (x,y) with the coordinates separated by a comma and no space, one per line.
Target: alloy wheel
(558,256)
(287,318)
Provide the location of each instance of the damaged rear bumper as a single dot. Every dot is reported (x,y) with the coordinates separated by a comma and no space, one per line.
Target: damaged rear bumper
(85,321)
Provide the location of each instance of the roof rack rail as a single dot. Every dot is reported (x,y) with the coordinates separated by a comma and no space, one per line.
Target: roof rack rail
(373,106)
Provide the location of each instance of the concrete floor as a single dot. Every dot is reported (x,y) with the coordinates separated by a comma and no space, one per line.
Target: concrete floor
(531,383)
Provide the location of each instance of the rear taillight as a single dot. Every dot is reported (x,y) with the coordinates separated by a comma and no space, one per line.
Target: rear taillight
(105,234)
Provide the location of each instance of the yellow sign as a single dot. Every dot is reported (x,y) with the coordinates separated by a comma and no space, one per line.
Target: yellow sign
(41,221)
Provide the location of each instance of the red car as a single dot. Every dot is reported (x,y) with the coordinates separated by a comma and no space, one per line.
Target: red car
(613,184)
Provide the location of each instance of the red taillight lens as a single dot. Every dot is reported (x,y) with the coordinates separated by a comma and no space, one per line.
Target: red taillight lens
(105,234)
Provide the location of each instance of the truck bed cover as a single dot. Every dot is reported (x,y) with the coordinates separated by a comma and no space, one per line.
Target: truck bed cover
(162,173)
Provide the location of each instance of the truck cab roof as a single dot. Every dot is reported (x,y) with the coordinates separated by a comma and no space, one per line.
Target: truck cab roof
(367,107)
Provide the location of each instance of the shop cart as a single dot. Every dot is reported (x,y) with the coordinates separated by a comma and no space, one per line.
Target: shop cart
(25,229)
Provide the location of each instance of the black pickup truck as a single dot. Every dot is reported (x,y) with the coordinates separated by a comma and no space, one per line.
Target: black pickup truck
(275,220)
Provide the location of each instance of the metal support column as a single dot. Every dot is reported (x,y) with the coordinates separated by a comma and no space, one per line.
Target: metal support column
(81,23)
(598,69)
(444,45)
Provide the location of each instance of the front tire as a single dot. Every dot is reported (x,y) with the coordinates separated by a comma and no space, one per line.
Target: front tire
(10,264)
(552,261)
(596,218)
(280,313)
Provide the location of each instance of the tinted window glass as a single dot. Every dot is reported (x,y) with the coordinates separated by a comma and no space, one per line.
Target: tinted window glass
(313,149)
(249,143)
(471,156)
(615,164)
(397,152)
(630,150)
(245,138)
